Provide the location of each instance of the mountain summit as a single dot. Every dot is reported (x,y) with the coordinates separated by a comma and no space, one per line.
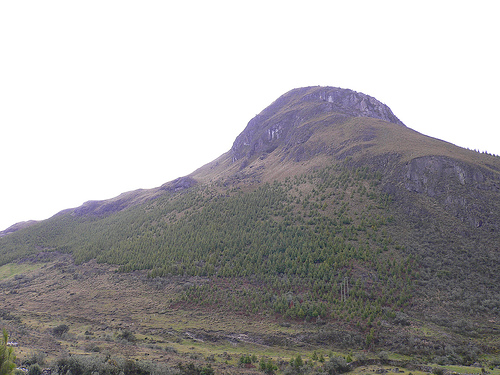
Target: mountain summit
(292,118)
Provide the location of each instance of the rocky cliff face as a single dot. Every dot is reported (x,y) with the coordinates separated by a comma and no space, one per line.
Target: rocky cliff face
(353,103)
(469,192)
(292,118)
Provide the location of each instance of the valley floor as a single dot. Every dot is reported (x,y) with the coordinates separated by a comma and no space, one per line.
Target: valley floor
(128,315)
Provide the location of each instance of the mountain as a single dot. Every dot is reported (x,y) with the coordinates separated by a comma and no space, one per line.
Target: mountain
(328,221)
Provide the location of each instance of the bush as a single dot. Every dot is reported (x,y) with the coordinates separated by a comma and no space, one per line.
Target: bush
(336,365)
(494,362)
(60,330)
(245,360)
(402,319)
(68,364)
(99,364)
(192,369)
(384,356)
(441,360)
(361,356)
(35,357)
(35,369)
(127,336)
(92,348)
(297,362)
(267,366)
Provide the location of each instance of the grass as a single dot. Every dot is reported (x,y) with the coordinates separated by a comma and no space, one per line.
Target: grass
(13,269)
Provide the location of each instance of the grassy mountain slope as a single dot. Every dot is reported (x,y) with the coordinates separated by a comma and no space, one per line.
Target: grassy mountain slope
(327,211)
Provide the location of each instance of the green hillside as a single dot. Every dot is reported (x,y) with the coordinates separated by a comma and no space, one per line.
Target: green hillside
(326,211)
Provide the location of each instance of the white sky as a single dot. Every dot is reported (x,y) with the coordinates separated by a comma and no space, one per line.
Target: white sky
(100,97)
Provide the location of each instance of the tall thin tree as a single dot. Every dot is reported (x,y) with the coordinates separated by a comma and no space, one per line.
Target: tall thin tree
(7,356)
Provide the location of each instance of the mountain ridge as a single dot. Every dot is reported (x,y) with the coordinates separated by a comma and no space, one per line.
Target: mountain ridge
(261,136)
(332,99)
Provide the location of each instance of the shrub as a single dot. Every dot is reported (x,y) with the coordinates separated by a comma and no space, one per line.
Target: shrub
(192,369)
(384,356)
(336,365)
(402,319)
(35,369)
(92,348)
(245,360)
(495,362)
(98,364)
(361,356)
(35,357)
(127,336)
(68,364)
(441,360)
(60,330)
(297,362)
(268,367)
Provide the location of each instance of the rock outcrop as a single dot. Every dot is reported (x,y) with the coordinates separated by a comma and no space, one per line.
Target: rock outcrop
(17,226)
(178,184)
(292,118)
(467,191)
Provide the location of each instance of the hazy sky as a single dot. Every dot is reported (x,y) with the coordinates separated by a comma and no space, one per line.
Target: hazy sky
(102,97)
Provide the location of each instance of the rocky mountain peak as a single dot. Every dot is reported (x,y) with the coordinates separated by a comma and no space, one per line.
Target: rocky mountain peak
(352,103)
(291,118)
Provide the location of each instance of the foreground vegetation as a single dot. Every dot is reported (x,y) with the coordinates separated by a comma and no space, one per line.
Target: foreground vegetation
(89,310)
(309,364)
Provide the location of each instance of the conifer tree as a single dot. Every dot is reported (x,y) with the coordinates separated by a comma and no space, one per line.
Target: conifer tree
(7,356)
